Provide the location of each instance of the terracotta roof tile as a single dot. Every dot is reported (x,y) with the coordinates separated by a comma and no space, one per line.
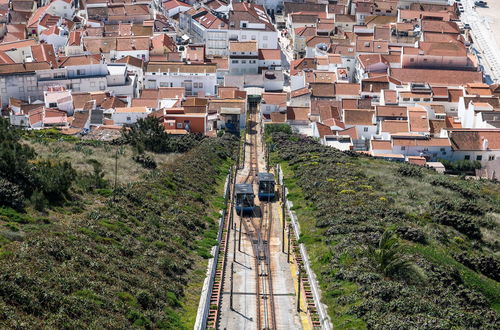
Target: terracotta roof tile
(358,117)
(394,126)
(475,139)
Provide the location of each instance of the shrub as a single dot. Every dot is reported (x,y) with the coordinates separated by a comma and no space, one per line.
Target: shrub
(410,170)
(11,195)
(54,179)
(463,223)
(15,157)
(93,180)
(411,234)
(461,166)
(38,200)
(275,128)
(486,265)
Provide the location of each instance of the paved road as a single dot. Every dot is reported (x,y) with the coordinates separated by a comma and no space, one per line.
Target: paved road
(485,45)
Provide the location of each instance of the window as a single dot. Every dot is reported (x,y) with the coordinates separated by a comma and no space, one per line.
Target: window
(200,85)
(243,25)
(467,157)
(253,37)
(52,105)
(264,45)
(243,61)
(416,99)
(403,148)
(427,99)
(406,99)
(179,125)
(412,60)
(491,157)
(21,89)
(243,37)
(195,85)
(365,129)
(479,157)
(234,61)
(425,60)
(264,37)
(129,119)
(442,149)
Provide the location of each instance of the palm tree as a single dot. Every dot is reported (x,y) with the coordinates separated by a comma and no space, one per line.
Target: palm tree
(390,260)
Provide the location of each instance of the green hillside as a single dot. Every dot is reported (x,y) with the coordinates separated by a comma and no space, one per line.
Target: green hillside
(394,245)
(88,259)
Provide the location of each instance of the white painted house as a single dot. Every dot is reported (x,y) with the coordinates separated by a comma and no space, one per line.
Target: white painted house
(195,78)
(243,57)
(61,8)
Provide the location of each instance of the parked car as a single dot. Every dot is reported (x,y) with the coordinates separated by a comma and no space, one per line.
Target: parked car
(466,27)
(481,3)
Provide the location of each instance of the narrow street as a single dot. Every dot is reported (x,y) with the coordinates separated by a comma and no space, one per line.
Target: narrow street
(485,46)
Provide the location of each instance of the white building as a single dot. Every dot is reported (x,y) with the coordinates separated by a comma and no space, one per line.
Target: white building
(475,144)
(174,7)
(55,36)
(127,115)
(243,57)
(195,78)
(248,22)
(20,81)
(363,120)
(61,8)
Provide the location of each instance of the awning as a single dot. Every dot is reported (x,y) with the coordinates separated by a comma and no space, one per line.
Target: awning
(185,37)
(230,111)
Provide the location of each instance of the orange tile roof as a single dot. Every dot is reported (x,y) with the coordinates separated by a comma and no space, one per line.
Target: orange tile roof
(394,126)
(381,144)
(419,120)
(358,117)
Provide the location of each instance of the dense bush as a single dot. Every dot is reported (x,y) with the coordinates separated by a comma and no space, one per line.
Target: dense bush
(463,223)
(465,188)
(17,166)
(410,170)
(11,195)
(145,160)
(54,179)
(461,166)
(411,234)
(275,128)
(486,265)
(15,157)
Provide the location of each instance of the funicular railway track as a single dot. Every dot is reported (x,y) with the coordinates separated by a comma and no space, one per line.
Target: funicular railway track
(258,229)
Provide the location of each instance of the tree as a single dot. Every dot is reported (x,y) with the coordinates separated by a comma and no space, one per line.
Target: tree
(148,134)
(15,158)
(54,179)
(390,260)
